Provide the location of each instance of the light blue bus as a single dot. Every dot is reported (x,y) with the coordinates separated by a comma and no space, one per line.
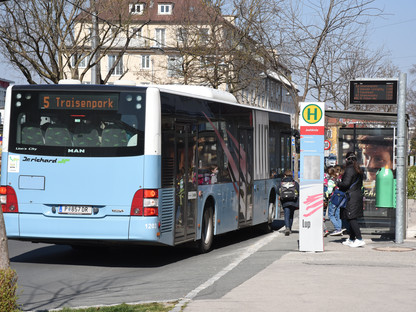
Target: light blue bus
(159,165)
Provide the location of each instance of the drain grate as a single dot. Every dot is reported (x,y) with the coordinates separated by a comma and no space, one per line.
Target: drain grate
(394,249)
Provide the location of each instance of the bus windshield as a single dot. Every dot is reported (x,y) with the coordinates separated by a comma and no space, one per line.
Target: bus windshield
(94,123)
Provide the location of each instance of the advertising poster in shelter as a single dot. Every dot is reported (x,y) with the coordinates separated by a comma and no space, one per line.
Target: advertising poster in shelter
(375,150)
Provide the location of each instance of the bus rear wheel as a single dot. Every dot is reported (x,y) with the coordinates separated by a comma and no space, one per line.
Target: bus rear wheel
(268,226)
(207,234)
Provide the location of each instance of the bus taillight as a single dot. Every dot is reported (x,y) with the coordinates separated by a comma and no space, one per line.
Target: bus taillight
(145,203)
(8,199)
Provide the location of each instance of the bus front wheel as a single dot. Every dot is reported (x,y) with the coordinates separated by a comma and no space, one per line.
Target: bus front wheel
(207,234)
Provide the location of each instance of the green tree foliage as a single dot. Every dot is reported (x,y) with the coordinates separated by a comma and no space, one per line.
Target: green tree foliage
(411,183)
(412,146)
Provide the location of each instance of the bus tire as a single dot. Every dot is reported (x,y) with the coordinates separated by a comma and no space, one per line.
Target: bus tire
(268,226)
(207,230)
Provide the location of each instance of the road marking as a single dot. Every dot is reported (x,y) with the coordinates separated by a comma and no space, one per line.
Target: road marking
(250,250)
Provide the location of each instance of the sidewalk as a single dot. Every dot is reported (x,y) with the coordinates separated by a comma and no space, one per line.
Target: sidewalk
(381,276)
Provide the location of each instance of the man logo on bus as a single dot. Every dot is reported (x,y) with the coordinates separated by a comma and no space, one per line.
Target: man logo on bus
(312,114)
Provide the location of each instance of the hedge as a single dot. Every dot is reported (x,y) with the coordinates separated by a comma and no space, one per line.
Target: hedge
(8,290)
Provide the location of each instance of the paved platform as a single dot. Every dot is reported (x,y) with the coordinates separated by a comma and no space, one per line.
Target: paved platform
(381,276)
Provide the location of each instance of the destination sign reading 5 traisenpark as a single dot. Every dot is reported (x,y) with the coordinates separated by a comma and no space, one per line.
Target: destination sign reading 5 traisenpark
(105,101)
(373,92)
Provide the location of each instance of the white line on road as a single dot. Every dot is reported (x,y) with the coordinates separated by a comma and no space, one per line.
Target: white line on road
(246,253)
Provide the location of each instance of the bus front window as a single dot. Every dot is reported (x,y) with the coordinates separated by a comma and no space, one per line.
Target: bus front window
(99,132)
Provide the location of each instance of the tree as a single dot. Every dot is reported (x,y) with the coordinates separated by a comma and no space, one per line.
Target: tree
(411,97)
(4,252)
(43,38)
(315,40)
(213,50)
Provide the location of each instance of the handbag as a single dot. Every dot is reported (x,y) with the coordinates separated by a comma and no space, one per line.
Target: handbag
(339,198)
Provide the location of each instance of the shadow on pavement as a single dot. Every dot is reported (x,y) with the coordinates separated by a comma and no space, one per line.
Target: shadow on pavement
(130,256)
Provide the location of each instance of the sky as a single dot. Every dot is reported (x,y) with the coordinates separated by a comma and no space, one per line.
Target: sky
(395,31)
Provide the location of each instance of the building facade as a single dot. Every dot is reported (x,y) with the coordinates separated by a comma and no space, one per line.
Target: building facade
(177,42)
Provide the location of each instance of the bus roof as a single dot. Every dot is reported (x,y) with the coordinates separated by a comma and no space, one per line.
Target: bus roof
(201,91)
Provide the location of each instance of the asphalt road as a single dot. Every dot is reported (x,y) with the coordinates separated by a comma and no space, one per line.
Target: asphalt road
(53,276)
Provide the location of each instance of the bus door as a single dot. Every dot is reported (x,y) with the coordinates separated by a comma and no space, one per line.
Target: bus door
(246,176)
(185,182)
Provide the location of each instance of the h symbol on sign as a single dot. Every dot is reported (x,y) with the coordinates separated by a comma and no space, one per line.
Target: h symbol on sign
(314,113)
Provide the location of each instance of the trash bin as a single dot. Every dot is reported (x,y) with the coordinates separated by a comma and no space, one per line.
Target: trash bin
(385,189)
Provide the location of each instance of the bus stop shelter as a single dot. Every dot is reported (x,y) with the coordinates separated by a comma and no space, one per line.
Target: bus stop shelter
(372,136)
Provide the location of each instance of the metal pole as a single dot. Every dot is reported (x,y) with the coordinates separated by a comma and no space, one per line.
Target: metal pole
(95,70)
(401,160)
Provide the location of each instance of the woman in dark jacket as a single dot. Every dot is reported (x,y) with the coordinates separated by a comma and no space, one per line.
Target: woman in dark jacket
(352,181)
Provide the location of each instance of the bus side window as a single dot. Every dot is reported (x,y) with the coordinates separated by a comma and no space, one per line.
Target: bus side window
(32,134)
(113,137)
(58,135)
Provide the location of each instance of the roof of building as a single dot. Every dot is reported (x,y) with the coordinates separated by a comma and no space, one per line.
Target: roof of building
(192,11)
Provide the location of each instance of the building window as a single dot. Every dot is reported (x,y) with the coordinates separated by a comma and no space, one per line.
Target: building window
(174,66)
(160,37)
(207,60)
(145,61)
(80,59)
(165,9)
(137,33)
(204,35)
(182,35)
(136,8)
(118,70)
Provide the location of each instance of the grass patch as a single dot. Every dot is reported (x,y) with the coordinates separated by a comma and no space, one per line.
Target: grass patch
(148,307)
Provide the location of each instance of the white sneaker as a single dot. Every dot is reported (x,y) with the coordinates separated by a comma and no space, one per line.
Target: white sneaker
(347,242)
(357,243)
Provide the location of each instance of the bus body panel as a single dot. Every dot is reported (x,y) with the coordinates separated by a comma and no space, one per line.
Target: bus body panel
(226,206)
(151,171)
(107,228)
(77,181)
(261,202)
(39,202)
(11,222)
(227,203)
(144,228)
(263,191)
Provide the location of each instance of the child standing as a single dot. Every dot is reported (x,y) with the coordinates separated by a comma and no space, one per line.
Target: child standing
(332,210)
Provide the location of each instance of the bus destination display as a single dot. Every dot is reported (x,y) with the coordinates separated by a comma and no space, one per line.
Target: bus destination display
(105,101)
(373,92)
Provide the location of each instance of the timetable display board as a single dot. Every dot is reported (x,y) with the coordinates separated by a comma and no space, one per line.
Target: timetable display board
(373,92)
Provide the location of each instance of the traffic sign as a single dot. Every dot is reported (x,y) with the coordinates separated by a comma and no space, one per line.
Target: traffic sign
(327,145)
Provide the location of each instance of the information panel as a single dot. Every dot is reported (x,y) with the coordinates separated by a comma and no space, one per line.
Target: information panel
(312,128)
(373,92)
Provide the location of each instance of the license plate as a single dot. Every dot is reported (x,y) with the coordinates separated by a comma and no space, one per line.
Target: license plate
(76,210)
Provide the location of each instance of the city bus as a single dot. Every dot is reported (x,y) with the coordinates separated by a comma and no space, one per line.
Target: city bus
(155,165)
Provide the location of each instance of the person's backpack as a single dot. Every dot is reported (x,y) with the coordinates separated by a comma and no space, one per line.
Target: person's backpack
(288,191)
